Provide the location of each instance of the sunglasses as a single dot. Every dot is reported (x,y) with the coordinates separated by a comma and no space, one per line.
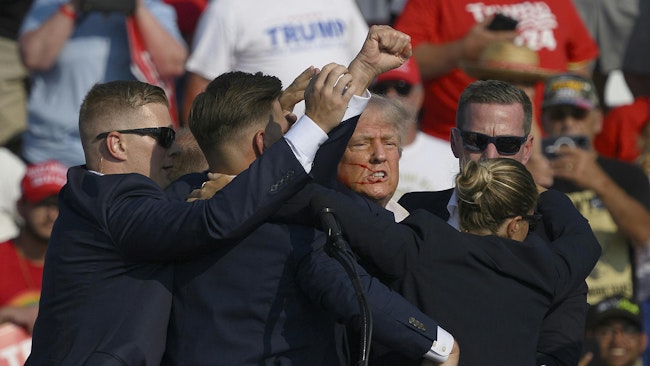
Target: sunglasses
(401,87)
(506,145)
(559,113)
(628,330)
(164,135)
(533,220)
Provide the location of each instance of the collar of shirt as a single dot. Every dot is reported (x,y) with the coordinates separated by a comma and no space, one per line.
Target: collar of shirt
(452,207)
(399,212)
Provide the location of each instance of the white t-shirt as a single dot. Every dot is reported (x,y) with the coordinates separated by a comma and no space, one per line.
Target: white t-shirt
(13,170)
(279,38)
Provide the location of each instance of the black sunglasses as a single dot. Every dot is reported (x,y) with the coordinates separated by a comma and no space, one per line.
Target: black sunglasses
(506,145)
(401,87)
(559,113)
(164,135)
(533,220)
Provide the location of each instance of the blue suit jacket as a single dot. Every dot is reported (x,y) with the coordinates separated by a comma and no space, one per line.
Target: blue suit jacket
(562,335)
(477,285)
(106,295)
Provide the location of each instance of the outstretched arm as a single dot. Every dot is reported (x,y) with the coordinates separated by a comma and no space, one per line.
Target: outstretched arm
(168,53)
(436,60)
(393,248)
(384,49)
(562,332)
(571,237)
(396,322)
(629,213)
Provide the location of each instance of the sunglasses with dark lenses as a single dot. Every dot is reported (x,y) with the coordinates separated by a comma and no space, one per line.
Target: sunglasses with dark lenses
(164,135)
(561,112)
(401,87)
(506,145)
(533,220)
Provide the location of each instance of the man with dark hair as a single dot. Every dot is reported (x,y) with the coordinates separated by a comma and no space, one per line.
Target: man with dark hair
(613,195)
(107,283)
(275,296)
(493,120)
(617,326)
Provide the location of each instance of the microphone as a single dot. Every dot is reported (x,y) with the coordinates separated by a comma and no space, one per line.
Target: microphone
(332,227)
(337,248)
(328,221)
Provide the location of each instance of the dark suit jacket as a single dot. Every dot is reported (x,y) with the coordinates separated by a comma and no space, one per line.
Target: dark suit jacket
(562,335)
(434,202)
(274,299)
(106,294)
(491,293)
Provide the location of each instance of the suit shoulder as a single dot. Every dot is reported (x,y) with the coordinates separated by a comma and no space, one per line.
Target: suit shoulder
(180,188)
(428,200)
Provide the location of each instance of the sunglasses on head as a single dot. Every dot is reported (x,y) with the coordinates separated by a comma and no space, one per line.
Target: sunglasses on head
(401,87)
(164,135)
(506,145)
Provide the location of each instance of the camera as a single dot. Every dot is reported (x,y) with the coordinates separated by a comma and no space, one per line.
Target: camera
(552,145)
(502,23)
(127,7)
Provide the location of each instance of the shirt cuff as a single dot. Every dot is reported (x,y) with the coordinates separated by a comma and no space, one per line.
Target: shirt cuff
(441,347)
(356,105)
(305,137)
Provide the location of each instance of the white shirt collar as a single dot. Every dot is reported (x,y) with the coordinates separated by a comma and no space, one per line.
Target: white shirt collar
(399,212)
(452,207)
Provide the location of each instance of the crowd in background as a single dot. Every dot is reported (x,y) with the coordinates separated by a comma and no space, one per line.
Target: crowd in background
(561,55)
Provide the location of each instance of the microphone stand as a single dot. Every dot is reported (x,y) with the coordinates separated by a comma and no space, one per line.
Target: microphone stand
(337,248)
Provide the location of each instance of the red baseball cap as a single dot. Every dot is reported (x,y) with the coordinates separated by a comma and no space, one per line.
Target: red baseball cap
(408,72)
(43,180)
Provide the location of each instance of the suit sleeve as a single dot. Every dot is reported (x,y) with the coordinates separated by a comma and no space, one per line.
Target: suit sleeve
(181,187)
(330,153)
(434,202)
(396,322)
(146,226)
(393,248)
(563,329)
(572,240)
(562,333)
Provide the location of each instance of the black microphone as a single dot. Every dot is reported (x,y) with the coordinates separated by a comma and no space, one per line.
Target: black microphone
(332,227)
(337,248)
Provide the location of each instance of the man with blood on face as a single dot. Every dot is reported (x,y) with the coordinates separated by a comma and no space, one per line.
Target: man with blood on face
(370,164)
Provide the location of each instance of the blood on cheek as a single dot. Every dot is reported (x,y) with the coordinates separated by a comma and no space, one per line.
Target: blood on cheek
(364,167)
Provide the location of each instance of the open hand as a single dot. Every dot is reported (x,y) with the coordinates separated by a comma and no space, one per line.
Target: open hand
(23,316)
(295,92)
(208,189)
(327,96)
(578,166)
(478,37)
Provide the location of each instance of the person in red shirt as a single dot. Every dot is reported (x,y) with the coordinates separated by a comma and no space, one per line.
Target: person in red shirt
(446,32)
(21,258)
(622,128)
